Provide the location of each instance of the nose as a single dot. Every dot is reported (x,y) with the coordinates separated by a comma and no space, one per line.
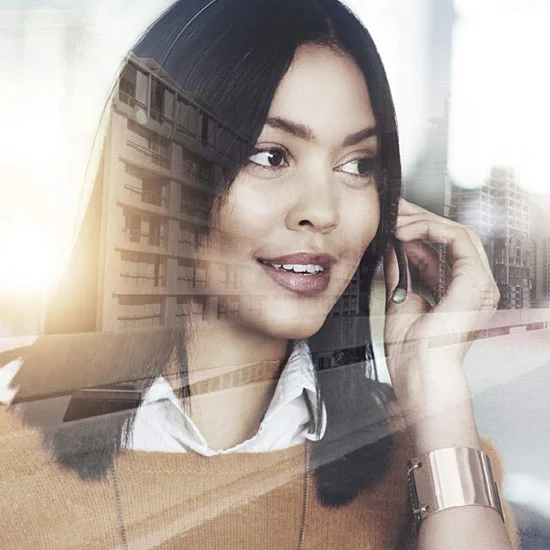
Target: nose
(315,204)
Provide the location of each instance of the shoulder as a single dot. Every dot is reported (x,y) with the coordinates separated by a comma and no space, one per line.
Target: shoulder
(41,503)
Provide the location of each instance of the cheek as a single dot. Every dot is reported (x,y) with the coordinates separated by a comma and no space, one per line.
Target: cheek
(247,213)
(361,218)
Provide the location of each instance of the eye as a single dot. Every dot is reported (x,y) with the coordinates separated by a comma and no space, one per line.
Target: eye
(269,158)
(364,167)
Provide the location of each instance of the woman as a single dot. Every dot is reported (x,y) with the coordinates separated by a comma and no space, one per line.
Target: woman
(305,201)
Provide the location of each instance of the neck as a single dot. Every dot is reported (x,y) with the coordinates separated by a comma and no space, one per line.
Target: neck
(228,345)
(232,413)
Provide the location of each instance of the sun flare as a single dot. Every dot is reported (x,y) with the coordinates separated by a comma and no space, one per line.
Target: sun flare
(30,261)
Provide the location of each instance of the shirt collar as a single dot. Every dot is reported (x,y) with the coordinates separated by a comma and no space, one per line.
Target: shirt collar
(297,380)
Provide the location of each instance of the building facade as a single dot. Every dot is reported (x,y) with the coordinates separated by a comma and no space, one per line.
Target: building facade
(540,274)
(162,157)
(499,211)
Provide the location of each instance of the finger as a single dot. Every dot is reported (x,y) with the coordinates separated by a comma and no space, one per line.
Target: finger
(469,232)
(472,286)
(408,209)
(432,229)
(434,270)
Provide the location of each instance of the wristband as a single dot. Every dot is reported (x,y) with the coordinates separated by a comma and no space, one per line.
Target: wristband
(449,478)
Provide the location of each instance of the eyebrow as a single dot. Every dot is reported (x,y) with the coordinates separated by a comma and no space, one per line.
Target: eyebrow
(304,132)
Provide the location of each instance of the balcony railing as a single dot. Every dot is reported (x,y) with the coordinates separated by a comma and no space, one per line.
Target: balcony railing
(190,283)
(140,321)
(135,236)
(131,100)
(196,174)
(185,130)
(160,159)
(160,117)
(194,208)
(150,197)
(140,281)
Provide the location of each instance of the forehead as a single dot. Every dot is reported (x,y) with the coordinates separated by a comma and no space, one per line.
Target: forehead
(325,90)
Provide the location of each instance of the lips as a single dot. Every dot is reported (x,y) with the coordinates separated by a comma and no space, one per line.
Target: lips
(303,272)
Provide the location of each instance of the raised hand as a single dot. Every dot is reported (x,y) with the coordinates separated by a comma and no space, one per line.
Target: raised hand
(426,339)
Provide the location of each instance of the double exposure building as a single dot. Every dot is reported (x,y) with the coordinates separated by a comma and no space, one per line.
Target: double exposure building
(499,211)
(540,275)
(133,266)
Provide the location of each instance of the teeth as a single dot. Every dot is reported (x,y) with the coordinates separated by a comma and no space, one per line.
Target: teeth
(300,268)
(295,267)
(310,269)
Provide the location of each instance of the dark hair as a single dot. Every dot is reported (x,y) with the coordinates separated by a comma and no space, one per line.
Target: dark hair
(229,56)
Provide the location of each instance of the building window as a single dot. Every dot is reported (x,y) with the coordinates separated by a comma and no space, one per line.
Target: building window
(187,117)
(345,305)
(191,237)
(154,191)
(137,311)
(228,307)
(133,227)
(154,231)
(132,87)
(160,149)
(192,273)
(195,203)
(231,278)
(190,305)
(197,169)
(149,189)
(157,147)
(205,173)
(162,102)
(152,228)
(208,132)
(142,270)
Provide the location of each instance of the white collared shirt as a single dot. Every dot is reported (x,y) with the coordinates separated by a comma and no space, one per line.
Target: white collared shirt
(161,424)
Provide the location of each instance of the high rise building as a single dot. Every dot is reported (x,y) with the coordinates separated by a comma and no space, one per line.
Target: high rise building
(429,183)
(499,211)
(132,266)
(512,245)
(540,274)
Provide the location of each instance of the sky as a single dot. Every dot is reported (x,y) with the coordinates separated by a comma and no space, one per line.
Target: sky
(60,59)
(501,90)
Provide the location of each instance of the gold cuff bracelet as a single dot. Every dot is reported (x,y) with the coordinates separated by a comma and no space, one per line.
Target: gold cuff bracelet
(452,477)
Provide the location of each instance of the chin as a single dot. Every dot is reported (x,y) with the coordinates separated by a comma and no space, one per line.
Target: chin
(286,327)
(301,332)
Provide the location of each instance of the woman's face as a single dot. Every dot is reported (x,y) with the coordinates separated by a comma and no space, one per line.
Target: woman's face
(300,215)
